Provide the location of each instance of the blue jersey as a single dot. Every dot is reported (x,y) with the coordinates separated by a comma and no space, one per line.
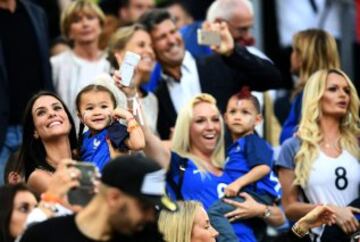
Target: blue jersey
(95,149)
(206,188)
(246,153)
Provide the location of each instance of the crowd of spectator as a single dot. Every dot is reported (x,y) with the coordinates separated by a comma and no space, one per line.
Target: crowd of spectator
(195,147)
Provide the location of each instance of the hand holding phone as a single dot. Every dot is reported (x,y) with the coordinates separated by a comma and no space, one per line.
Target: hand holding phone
(128,66)
(82,194)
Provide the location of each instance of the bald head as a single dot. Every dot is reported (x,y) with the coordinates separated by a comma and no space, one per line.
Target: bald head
(238,14)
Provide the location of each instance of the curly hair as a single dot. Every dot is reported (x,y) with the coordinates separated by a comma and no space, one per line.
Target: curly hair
(309,129)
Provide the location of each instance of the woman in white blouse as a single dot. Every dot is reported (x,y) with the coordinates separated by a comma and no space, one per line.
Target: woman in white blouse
(81,23)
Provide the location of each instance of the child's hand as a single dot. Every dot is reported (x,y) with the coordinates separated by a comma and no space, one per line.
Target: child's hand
(121,113)
(232,189)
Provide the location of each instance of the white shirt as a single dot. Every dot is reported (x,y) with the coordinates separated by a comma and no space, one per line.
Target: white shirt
(333,181)
(189,85)
(297,15)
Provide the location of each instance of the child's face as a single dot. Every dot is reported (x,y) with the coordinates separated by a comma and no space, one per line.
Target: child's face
(95,109)
(241,117)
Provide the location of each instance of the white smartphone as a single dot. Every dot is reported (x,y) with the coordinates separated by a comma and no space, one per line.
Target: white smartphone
(128,66)
(208,37)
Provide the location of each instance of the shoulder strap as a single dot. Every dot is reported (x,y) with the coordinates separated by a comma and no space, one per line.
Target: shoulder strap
(176,187)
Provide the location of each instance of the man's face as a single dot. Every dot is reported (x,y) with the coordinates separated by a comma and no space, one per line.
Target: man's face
(168,44)
(240,26)
(135,9)
(131,215)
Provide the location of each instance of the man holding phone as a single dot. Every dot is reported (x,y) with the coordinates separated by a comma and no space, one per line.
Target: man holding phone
(220,75)
(131,189)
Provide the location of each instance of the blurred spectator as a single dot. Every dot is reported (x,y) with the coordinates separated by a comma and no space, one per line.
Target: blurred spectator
(19,207)
(24,68)
(238,14)
(198,8)
(14,170)
(313,49)
(189,223)
(184,76)
(180,12)
(81,23)
(17,201)
(122,210)
(131,10)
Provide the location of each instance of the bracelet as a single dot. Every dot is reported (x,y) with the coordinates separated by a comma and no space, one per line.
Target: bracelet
(47,197)
(132,127)
(299,232)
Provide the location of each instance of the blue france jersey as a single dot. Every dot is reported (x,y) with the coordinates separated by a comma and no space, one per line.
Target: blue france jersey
(206,188)
(95,149)
(243,155)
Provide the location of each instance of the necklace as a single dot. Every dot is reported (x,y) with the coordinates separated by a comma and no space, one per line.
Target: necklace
(331,145)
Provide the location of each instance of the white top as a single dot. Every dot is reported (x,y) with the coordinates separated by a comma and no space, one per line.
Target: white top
(151,110)
(297,15)
(189,85)
(71,74)
(333,181)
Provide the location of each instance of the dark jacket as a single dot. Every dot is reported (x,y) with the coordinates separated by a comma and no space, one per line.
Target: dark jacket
(39,23)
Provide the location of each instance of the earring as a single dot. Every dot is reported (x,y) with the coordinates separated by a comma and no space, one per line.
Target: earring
(36,135)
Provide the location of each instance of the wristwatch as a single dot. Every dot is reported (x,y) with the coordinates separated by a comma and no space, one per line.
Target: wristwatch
(267,212)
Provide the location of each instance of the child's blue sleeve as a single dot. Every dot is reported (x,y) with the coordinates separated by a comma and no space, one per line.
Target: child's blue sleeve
(258,151)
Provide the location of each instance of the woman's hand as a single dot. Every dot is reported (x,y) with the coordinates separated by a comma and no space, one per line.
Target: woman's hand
(318,216)
(345,218)
(65,177)
(249,208)
(129,91)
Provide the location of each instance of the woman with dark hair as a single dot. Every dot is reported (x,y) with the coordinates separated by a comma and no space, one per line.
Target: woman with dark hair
(49,136)
(17,201)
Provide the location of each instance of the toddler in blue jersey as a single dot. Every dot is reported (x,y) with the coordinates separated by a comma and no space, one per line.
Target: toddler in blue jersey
(248,164)
(106,136)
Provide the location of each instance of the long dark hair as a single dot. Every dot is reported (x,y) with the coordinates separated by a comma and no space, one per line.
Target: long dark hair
(7,196)
(32,151)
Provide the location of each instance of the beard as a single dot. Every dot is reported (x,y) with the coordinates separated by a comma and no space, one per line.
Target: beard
(149,233)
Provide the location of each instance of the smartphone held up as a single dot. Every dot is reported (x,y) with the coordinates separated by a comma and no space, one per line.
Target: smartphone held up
(209,38)
(128,66)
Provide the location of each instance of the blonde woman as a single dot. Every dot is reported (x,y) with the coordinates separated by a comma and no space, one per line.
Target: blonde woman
(323,160)
(195,165)
(190,223)
(81,24)
(313,49)
(136,39)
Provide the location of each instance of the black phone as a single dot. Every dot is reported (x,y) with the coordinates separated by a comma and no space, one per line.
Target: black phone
(82,194)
